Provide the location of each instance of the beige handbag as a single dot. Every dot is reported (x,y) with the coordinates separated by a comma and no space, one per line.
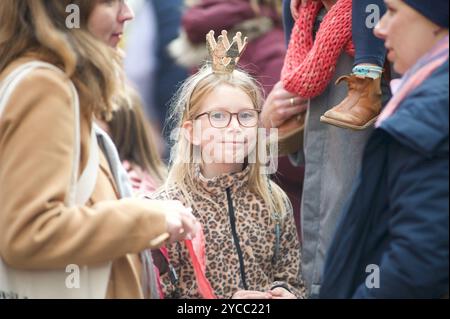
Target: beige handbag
(53,284)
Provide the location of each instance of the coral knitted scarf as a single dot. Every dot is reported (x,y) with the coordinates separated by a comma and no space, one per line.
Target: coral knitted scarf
(310,65)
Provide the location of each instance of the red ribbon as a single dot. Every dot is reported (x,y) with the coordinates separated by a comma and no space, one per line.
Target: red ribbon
(198,258)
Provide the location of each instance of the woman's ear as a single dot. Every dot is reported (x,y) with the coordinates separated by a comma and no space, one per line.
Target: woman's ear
(191,132)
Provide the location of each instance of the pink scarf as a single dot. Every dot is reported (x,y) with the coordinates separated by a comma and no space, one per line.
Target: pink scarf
(415,77)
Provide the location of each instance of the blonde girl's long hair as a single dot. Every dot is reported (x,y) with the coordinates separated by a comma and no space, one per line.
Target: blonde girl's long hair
(39,27)
(185,105)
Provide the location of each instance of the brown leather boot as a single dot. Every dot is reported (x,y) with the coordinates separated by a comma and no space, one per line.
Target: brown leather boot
(360,108)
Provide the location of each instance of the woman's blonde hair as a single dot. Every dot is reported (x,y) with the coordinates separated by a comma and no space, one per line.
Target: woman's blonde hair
(185,106)
(132,134)
(39,27)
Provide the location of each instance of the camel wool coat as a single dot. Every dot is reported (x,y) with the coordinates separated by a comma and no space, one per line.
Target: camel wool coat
(37,230)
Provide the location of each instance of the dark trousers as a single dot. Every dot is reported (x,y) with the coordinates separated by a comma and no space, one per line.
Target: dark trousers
(288,21)
(369,49)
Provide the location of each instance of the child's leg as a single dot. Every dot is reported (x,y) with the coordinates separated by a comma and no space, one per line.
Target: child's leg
(363,104)
(369,49)
(288,21)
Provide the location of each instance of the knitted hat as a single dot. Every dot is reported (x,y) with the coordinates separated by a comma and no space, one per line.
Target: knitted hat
(435,10)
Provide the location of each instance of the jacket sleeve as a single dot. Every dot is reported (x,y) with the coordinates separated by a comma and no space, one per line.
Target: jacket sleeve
(415,265)
(287,268)
(221,15)
(37,230)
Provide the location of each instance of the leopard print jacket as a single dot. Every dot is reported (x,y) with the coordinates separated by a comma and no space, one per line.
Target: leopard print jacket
(240,241)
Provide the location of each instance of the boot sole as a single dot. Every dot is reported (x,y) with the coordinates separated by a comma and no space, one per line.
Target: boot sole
(344,125)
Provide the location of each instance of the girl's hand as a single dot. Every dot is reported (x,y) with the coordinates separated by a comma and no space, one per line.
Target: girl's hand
(281,293)
(250,294)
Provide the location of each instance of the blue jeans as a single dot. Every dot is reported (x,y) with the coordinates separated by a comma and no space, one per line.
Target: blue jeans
(369,49)
(288,21)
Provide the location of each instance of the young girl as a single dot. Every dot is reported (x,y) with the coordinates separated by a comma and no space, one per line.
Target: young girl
(252,249)
(260,21)
(45,223)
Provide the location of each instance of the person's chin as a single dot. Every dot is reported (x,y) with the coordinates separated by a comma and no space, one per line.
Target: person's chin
(399,67)
(114,41)
(391,56)
(397,64)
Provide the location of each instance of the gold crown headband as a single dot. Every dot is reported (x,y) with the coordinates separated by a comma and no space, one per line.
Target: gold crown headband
(225,56)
